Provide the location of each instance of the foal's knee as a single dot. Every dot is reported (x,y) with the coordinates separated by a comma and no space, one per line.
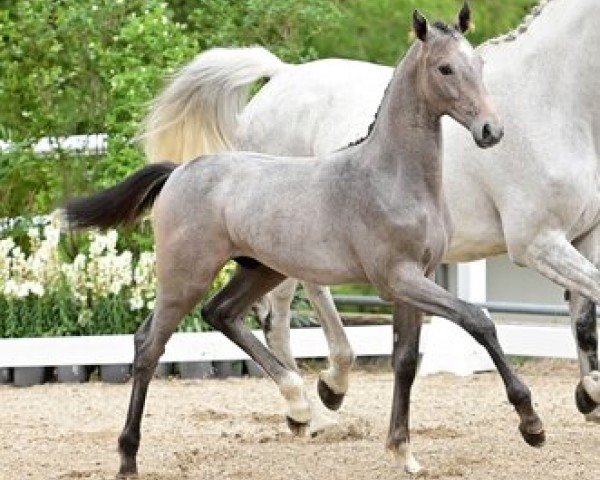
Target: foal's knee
(145,358)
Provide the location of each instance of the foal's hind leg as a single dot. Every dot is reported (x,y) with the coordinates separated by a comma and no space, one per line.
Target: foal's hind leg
(333,382)
(226,310)
(150,340)
(407,329)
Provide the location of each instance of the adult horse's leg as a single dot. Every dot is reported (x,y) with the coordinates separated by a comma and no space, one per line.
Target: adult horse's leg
(554,257)
(407,329)
(585,330)
(333,382)
(226,310)
(583,316)
(276,322)
(407,284)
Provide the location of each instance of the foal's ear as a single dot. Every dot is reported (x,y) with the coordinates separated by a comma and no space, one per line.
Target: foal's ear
(464,19)
(420,25)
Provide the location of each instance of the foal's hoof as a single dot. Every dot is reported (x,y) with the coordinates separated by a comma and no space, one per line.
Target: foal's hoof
(127,474)
(332,400)
(535,439)
(298,429)
(593,417)
(128,467)
(585,403)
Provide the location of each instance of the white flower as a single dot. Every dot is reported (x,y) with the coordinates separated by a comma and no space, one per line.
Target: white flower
(11,288)
(111,239)
(6,245)
(136,303)
(35,288)
(52,234)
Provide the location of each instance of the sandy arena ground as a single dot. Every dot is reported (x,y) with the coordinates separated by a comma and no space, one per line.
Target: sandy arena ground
(463,428)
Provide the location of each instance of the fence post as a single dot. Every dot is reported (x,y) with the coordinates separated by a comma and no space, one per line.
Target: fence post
(448,348)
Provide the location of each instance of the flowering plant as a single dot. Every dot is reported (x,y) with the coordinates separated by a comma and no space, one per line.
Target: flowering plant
(98,290)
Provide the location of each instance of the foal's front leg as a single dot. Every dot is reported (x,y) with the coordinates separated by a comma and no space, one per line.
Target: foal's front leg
(407,329)
(407,284)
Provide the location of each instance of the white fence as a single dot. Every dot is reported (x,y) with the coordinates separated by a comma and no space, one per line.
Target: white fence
(441,343)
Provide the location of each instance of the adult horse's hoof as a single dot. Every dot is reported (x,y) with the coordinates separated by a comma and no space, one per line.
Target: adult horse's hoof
(332,400)
(298,429)
(585,403)
(535,439)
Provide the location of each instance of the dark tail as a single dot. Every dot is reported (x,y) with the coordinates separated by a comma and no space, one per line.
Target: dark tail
(122,204)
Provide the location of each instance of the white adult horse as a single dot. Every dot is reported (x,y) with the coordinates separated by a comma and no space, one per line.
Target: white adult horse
(536,196)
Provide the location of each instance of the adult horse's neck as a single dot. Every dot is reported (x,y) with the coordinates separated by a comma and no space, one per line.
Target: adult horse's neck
(554,54)
(406,138)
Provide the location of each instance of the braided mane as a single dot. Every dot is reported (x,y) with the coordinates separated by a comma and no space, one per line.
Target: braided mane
(521,28)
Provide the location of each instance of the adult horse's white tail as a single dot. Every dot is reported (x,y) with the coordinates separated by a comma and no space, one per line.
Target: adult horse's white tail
(197,112)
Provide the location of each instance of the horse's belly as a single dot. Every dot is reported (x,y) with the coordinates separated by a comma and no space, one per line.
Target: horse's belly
(300,249)
(313,264)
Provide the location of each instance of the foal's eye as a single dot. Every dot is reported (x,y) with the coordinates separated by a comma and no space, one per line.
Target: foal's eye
(445,69)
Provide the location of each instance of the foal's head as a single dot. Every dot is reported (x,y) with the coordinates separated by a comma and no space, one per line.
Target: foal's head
(450,77)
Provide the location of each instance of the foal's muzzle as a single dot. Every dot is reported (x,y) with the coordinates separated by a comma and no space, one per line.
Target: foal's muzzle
(487,134)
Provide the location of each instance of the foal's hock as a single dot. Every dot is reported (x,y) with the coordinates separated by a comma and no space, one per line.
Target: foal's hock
(374,212)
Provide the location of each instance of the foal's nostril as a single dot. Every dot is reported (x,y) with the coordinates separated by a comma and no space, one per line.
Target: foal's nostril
(486,132)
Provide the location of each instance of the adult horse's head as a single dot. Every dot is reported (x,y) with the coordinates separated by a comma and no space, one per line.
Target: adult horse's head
(450,77)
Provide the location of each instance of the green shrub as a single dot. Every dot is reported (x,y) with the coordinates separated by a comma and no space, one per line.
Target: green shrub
(288,28)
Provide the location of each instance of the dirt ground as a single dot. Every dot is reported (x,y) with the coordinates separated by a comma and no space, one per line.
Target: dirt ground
(463,428)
